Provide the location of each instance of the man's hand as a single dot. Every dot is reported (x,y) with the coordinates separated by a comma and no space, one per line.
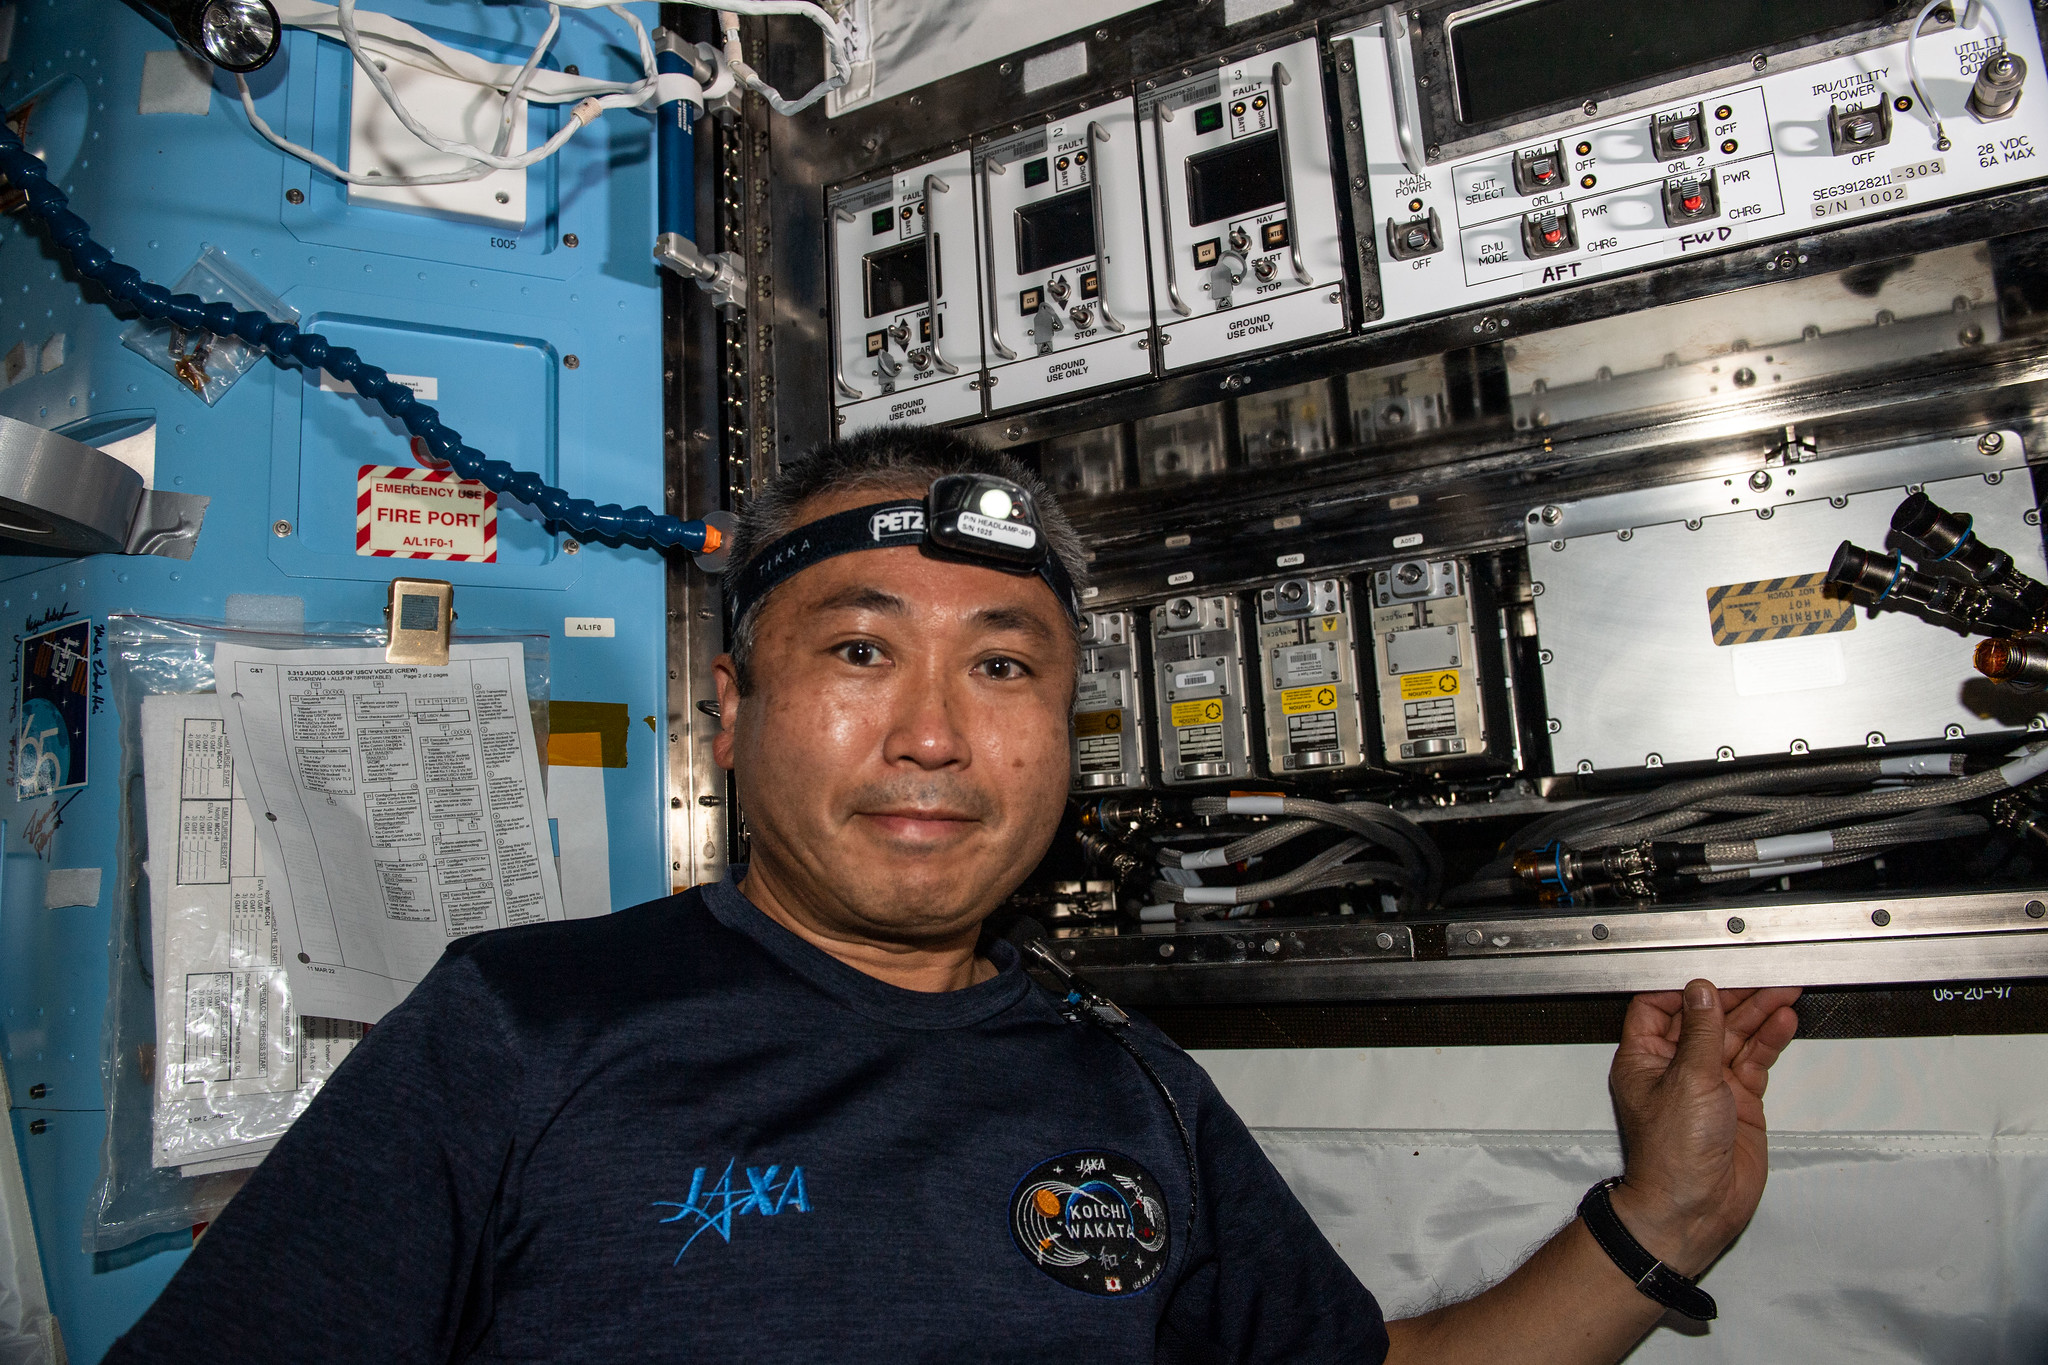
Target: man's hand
(1688,1085)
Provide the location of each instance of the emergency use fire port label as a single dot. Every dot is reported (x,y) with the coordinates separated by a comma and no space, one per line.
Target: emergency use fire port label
(1777,609)
(404,512)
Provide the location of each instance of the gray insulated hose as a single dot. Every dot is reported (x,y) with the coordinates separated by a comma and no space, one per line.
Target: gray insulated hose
(1421,865)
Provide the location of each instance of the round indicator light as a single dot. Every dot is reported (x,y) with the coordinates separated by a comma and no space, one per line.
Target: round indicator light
(996,503)
(1694,203)
(1725,112)
(1064,163)
(1586,182)
(1238,109)
(1728,146)
(1259,102)
(906,213)
(1415,206)
(1903,103)
(1584,149)
(1080,158)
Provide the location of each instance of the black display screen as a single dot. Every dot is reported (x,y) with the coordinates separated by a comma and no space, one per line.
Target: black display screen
(1231,181)
(1054,231)
(1549,52)
(896,278)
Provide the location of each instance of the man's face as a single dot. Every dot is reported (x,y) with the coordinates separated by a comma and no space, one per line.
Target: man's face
(902,759)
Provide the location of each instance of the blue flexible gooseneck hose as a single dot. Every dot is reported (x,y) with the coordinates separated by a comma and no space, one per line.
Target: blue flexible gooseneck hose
(73,235)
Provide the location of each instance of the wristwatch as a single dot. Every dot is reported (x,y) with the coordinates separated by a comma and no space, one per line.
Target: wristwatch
(1657,1281)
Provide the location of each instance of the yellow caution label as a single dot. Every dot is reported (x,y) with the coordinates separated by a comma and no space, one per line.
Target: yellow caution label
(1092,723)
(1186,713)
(1777,609)
(1296,701)
(1416,686)
(1330,624)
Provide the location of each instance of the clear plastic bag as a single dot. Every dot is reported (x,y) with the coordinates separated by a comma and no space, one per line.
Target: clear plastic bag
(207,364)
(204,1061)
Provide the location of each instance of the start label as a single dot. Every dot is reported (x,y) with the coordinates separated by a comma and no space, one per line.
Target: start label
(1777,609)
(404,512)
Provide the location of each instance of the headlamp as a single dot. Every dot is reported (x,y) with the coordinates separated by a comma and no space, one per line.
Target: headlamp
(970,518)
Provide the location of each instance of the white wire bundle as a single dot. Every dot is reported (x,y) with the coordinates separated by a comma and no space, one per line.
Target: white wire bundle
(374,40)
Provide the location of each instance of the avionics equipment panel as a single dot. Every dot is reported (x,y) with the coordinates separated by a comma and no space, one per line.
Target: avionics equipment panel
(1067,306)
(906,342)
(1513,149)
(1246,248)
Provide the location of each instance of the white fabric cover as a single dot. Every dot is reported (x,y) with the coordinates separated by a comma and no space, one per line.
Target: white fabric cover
(1906,1218)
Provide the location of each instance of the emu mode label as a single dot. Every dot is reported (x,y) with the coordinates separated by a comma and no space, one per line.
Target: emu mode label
(1777,609)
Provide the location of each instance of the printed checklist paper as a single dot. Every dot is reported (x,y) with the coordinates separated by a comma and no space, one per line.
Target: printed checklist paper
(402,806)
(235,1061)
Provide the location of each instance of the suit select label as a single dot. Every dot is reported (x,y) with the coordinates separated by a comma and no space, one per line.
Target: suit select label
(404,512)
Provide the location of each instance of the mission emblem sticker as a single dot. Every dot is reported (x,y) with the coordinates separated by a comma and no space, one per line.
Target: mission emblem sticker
(1094,1221)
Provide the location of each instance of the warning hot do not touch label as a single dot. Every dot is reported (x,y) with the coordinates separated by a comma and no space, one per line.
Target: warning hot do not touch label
(409,513)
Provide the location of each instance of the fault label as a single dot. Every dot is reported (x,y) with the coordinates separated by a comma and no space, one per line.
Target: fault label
(1777,609)
(403,512)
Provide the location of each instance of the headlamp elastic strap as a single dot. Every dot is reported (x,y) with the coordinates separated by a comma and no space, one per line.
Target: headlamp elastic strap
(878,526)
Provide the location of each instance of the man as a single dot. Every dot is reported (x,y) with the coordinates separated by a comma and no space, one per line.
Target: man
(811,1116)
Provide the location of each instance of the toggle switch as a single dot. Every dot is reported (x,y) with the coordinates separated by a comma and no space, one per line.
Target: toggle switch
(1539,169)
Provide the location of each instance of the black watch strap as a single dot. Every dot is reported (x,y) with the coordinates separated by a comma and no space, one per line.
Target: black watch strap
(1656,1280)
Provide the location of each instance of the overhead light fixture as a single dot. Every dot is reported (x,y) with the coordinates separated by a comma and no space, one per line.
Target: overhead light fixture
(235,35)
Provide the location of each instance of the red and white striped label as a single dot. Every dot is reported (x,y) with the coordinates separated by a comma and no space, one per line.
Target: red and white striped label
(408,513)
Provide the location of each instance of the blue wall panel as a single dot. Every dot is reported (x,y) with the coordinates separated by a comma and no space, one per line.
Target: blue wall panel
(494,324)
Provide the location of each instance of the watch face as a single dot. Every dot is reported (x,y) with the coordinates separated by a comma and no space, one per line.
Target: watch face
(1093,1220)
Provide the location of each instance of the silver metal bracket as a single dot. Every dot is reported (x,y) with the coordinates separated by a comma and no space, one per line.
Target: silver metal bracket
(723,276)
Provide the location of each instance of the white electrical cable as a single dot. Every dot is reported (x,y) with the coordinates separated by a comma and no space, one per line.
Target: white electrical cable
(1966,20)
(373,40)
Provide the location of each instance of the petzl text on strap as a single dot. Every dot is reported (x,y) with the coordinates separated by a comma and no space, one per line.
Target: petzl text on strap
(878,526)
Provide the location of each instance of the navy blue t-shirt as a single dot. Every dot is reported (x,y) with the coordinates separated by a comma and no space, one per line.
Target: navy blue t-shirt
(681,1133)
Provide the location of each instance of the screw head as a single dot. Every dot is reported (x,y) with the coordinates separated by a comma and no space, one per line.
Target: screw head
(2036,910)
(1735,924)
(1760,480)
(294,196)
(1270,947)
(1990,443)
(280,528)
(38,1126)
(1474,937)
(570,362)
(1383,941)
(1165,950)
(675,803)
(38,1091)
(571,547)
(1600,932)
(1552,515)
(1880,918)
(571,240)
(1759,62)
